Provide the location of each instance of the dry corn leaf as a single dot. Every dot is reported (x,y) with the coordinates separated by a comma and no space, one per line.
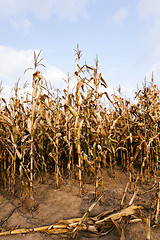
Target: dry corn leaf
(72,111)
(135,220)
(120,230)
(29,125)
(124,212)
(6,119)
(18,154)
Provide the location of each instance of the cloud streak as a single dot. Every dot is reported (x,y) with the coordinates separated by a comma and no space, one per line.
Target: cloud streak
(63,9)
(23,25)
(149,8)
(120,16)
(149,11)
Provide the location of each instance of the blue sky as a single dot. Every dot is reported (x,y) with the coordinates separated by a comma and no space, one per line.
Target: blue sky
(124,33)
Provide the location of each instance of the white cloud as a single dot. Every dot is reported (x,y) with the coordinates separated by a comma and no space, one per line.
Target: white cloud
(149,10)
(19,7)
(14,63)
(23,25)
(70,9)
(63,9)
(55,76)
(18,12)
(120,16)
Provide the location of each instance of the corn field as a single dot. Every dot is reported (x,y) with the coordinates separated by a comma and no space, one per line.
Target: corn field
(76,134)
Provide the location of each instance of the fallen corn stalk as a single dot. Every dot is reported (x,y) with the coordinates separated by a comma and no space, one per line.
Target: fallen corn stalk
(86,223)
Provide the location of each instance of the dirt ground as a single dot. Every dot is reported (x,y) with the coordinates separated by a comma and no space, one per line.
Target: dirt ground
(53,205)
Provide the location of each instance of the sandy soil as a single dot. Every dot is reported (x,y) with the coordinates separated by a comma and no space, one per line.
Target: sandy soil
(53,205)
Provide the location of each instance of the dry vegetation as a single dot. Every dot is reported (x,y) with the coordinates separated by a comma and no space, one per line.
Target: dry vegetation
(73,135)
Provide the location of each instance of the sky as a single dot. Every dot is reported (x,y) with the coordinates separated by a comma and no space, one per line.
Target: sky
(125,34)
